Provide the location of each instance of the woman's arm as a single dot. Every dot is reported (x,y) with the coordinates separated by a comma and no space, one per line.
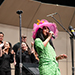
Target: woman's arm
(12,52)
(47,40)
(62,56)
(0,52)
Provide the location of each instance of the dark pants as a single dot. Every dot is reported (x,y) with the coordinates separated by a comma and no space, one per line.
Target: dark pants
(2,72)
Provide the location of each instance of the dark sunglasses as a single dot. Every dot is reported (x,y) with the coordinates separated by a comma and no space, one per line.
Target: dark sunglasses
(45,27)
(24,37)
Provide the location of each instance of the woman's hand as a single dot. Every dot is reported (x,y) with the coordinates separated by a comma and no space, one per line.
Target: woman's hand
(4,42)
(48,38)
(12,52)
(62,56)
(32,44)
(50,34)
(0,51)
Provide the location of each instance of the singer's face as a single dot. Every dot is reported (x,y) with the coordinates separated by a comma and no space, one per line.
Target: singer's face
(45,30)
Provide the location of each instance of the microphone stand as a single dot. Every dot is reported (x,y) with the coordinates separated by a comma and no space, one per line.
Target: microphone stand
(72,44)
(20,64)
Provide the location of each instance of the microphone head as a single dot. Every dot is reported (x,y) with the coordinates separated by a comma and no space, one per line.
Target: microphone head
(19,12)
(52,14)
(52,35)
(72,31)
(55,12)
(70,27)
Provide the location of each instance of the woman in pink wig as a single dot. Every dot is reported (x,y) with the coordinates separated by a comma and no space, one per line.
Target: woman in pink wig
(42,34)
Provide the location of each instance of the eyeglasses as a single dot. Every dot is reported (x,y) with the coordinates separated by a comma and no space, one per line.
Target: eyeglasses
(23,37)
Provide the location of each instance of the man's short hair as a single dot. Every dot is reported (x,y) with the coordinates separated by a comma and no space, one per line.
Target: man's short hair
(23,36)
(2,33)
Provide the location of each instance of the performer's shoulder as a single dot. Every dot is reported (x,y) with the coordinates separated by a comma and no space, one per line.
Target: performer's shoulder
(37,39)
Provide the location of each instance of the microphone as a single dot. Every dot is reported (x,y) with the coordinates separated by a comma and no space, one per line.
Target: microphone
(52,34)
(72,31)
(19,12)
(52,14)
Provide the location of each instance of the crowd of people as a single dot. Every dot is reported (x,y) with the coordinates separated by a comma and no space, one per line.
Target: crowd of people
(6,56)
(9,54)
(28,55)
(42,51)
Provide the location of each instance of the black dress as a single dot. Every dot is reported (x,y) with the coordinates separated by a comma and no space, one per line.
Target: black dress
(26,58)
(5,61)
